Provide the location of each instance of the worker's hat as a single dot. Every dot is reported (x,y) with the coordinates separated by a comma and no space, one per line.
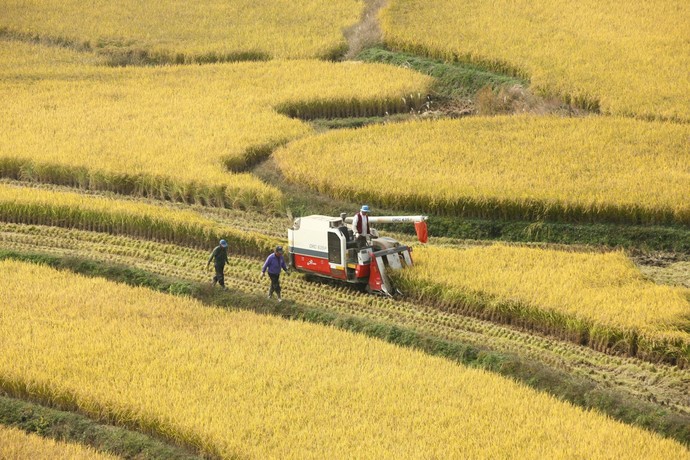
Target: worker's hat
(224,243)
(279,249)
(365,208)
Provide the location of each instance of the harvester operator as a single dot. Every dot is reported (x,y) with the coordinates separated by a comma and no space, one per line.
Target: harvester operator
(360,225)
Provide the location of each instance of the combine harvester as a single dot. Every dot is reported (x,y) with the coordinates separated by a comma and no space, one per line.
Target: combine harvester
(326,246)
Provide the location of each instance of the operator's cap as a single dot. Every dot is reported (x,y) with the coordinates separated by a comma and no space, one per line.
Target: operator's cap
(279,249)
(224,243)
(365,208)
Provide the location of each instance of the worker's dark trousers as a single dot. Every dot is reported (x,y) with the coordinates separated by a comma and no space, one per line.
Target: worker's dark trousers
(220,277)
(275,284)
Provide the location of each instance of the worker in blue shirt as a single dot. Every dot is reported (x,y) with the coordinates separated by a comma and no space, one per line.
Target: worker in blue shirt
(274,262)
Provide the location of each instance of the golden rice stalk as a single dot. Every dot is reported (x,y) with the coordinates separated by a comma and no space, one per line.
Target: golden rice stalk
(592,169)
(168,31)
(619,57)
(16,444)
(237,384)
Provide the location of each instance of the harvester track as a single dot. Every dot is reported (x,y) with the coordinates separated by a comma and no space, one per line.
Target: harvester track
(663,385)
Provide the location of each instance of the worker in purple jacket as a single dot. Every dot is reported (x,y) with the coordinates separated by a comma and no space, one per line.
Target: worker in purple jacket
(273,264)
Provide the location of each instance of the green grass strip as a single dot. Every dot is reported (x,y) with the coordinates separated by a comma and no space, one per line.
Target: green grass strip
(72,427)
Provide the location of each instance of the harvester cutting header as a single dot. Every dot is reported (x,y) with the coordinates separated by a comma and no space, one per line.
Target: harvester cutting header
(346,248)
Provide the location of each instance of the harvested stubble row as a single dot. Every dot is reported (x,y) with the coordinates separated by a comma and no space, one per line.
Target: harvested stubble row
(620,57)
(597,299)
(178,129)
(169,31)
(241,384)
(668,385)
(581,170)
(16,444)
(69,209)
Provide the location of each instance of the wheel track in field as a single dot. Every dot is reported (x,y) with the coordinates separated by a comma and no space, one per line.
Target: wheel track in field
(661,384)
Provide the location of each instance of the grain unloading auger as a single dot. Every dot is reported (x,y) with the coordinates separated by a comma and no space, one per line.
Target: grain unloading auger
(326,246)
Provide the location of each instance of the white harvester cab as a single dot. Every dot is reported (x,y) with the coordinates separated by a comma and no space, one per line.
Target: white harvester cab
(326,246)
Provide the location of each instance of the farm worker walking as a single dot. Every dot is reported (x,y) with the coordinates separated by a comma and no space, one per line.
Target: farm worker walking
(220,258)
(274,262)
(360,224)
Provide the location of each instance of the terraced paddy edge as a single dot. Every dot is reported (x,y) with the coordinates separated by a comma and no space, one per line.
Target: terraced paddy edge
(46,207)
(16,444)
(305,201)
(65,135)
(582,170)
(599,300)
(132,32)
(600,56)
(613,384)
(280,403)
(74,428)
(105,214)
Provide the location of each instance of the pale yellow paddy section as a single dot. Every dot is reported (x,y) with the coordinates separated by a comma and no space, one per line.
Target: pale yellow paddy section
(237,384)
(606,289)
(199,30)
(631,57)
(18,445)
(577,169)
(176,127)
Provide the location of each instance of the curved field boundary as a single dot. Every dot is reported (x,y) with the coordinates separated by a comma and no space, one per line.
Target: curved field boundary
(576,170)
(100,214)
(16,444)
(130,32)
(73,210)
(173,132)
(144,335)
(620,58)
(617,312)
(660,383)
(75,428)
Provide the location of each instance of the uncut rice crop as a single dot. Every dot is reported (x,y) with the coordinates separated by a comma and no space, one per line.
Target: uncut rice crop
(109,215)
(16,444)
(620,57)
(667,385)
(236,384)
(593,169)
(591,298)
(173,132)
(182,32)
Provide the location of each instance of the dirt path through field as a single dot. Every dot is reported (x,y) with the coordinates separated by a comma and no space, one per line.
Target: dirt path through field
(367,31)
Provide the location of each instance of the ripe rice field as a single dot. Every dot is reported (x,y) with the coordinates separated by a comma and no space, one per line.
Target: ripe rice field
(120,160)
(542,289)
(623,58)
(17,444)
(598,299)
(170,31)
(594,169)
(106,214)
(669,385)
(210,379)
(179,128)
